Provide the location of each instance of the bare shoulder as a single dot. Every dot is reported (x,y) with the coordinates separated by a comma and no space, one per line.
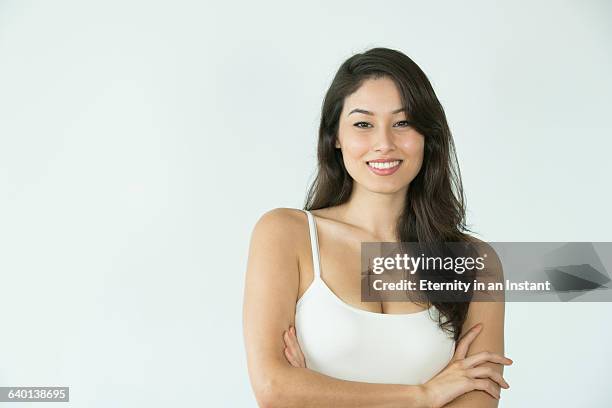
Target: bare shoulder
(472,238)
(282,217)
(479,243)
(280,223)
(492,272)
(481,247)
(280,232)
(485,249)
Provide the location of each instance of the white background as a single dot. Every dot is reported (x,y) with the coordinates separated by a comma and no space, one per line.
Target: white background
(140,141)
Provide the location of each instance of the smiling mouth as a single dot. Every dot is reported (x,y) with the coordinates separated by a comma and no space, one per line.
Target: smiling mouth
(386,165)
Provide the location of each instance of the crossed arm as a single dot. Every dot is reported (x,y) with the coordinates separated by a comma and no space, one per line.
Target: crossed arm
(270,295)
(271,289)
(475,398)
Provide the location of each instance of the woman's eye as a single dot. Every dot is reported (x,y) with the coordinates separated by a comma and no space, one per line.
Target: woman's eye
(358,124)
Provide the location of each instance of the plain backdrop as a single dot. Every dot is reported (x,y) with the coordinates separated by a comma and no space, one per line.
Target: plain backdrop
(140,141)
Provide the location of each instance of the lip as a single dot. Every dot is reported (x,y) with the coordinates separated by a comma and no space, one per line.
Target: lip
(384,172)
(383,160)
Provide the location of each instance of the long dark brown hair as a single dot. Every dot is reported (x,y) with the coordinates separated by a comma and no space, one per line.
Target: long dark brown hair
(434,210)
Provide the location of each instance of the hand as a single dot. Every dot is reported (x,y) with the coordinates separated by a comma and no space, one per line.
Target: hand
(462,374)
(293,352)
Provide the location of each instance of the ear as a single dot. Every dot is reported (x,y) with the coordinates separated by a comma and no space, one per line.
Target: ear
(337,144)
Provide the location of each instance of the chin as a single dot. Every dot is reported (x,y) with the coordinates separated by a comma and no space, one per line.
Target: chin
(385,188)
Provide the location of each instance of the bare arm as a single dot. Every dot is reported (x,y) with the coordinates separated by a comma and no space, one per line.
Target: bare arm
(270,295)
(491,338)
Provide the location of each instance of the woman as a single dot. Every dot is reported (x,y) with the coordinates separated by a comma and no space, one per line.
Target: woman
(385,173)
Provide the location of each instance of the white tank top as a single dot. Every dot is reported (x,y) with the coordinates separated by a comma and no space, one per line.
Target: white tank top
(353,344)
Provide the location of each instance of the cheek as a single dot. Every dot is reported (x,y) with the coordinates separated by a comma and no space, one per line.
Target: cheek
(413,148)
(355,148)
(413,145)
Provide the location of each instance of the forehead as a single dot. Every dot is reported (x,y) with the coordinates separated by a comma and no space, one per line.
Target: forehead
(377,95)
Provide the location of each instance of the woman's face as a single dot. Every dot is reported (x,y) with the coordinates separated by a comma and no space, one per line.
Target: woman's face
(372,129)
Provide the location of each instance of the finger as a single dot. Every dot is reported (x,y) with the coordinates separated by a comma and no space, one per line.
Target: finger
(487,386)
(485,356)
(464,342)
(290,358)
(294,344)
(296,347)
(290,344)
(488,372)
(289,347)
(292,336)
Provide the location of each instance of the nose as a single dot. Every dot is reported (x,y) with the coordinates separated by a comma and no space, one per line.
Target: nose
(383,142)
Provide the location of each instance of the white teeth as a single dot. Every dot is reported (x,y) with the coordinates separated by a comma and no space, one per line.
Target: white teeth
(384,165)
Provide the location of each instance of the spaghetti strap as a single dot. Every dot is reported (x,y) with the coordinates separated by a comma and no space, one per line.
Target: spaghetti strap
(314,244)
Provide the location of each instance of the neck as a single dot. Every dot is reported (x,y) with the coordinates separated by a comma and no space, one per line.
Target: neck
(376,213)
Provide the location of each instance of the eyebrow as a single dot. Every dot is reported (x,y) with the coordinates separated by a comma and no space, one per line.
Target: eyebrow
(357,110)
